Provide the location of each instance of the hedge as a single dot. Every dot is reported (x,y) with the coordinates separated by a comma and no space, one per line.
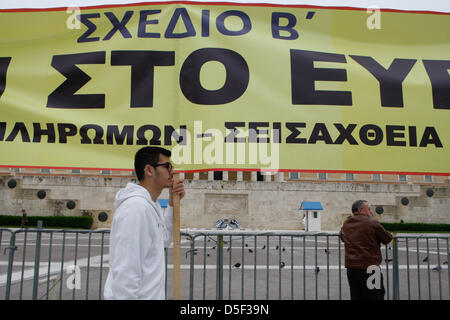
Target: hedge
(415,226)
(84,222)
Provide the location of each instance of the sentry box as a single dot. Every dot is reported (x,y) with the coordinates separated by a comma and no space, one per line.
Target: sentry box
(311,218)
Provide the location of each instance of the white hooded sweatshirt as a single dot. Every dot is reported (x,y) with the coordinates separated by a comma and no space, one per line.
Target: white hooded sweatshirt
(139,233)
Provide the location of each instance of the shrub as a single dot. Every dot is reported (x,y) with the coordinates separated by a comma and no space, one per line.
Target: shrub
(83,222)
(416,226)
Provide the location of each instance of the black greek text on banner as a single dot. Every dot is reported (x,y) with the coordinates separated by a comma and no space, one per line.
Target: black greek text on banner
(226,87)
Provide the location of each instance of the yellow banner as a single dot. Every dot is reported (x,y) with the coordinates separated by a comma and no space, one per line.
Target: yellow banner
(226,86)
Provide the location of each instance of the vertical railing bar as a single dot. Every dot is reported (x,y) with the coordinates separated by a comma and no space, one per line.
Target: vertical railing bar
(386,255)
(316,274)
(37,259)
(219,267)
(407,268)
(1,239)
(75,262)
(428,268)
(101,268)
(229,268)
(204,268)
(12,248)
(395,269)
(166,256)
(254,275)
(328,267)
(340,268)
(279,267)
(25,236)
(242,271)
(292,267)
(439,267)
(192,265)
(62,264)
(448,268)
(267,270)
(418,267)
(88,265)
(49,262)
(304,267)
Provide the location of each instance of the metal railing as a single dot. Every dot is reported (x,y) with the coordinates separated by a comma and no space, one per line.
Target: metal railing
(220,264)
(47,263)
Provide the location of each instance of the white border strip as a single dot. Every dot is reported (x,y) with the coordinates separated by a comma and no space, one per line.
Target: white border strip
(411,5)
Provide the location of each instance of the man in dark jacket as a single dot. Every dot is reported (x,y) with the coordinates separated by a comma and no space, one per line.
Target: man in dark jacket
(362,236)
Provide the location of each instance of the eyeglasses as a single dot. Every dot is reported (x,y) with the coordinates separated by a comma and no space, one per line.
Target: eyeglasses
(166,165)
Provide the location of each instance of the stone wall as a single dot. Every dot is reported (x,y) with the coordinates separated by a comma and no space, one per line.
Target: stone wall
(255,204)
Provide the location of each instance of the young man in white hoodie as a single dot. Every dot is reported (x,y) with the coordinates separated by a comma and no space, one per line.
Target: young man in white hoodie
(140,230)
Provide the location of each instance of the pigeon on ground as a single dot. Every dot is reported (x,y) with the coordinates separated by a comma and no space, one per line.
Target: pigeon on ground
(250,250)
(237,265)
(326,251)
(425,259)
(437,268)
(282,264)
(263,247)
(446,262)
(317,270)
(276,248)
(387,260)
(284,249)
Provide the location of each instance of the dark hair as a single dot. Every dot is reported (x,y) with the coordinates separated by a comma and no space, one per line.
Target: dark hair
(357,204)
(147,155)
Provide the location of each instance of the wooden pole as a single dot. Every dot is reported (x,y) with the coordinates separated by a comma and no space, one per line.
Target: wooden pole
(176,242)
